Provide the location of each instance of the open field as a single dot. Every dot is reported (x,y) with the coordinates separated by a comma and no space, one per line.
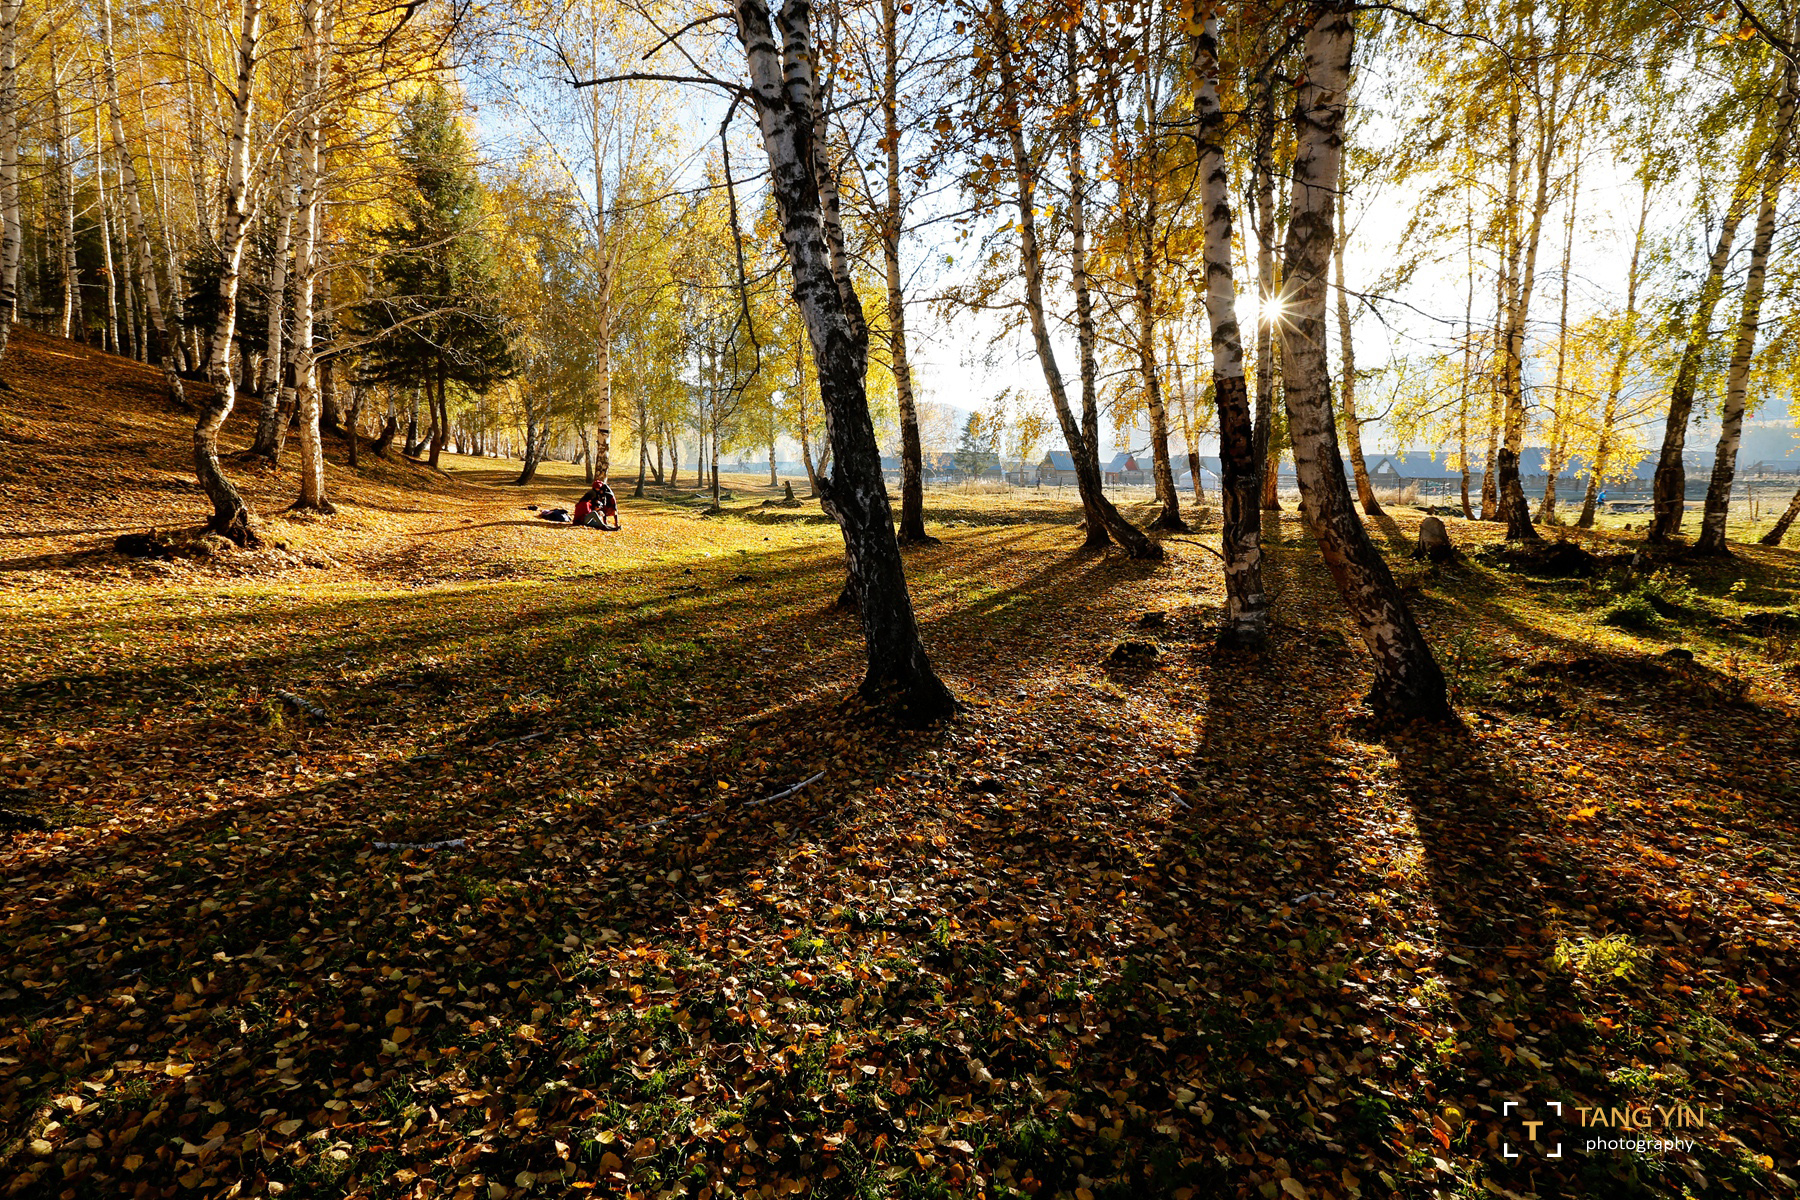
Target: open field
(1153,922)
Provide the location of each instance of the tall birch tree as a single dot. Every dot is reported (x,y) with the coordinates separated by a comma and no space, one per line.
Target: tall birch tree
(230,516)
(1408,683)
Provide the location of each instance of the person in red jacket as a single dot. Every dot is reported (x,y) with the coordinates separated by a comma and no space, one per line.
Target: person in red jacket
(587,508)
(608,507)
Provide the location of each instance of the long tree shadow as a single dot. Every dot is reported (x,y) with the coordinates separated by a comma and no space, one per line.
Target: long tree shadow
(1521,906)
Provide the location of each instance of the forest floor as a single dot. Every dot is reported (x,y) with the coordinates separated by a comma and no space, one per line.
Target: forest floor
(1146,919)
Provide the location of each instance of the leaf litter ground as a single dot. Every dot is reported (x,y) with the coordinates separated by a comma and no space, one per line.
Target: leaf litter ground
(1175,927)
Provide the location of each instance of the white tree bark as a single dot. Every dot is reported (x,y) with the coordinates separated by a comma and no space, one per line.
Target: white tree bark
(230,517)
(783,90)
(1240,468)
(71,319)
(11,239)
(1737,384)
(268,425)
(315,37)
(1408,684)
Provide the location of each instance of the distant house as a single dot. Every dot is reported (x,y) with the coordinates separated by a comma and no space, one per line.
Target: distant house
(933,468)
(1128,469)
(1409,467)
(1056,470)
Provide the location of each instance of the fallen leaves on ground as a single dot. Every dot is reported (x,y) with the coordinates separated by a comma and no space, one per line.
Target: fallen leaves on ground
(1170,924)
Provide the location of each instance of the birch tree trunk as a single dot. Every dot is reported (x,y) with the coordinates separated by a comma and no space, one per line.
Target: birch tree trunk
(410,449)
(1185,404)
(268,443)
(1269,313)
(1513,508)
(604,264)
(315,39)
(1609,414)
(71,320)
(440,422)
(1103,519)
(1170,516)
(643,440)
(1468,362)
(1347,355)
(890,217)
(1774,536)
(812,475)
(1559,415)
(230,517)
(103,202)
(1408,684)
(1737,385)
(1240,469)
(142,259)
(11,240)
(783,89)
(1669,490)
(1086,338)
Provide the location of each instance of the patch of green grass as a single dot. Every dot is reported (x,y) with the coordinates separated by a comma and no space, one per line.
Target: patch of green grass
(1614,956)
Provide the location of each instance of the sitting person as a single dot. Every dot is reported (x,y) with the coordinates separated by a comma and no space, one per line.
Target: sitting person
(609,507)
(587,509)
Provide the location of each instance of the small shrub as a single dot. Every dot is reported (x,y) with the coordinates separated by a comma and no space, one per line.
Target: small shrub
(1633,611)
(1669,594)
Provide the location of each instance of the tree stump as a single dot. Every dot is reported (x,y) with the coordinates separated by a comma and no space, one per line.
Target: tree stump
(1434,542)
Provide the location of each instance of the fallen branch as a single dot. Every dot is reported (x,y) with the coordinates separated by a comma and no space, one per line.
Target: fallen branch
(789,792)
(1202,545)
(300,705)
(447,844)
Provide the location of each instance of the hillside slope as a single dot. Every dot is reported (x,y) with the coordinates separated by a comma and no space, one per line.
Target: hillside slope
(91,447)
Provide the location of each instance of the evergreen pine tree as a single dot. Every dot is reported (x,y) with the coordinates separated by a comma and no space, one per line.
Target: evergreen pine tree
(434,288)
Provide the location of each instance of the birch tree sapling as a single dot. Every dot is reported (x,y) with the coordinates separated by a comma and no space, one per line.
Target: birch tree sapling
(1240,470)
(1408,684)
(230,516)
(783,90)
